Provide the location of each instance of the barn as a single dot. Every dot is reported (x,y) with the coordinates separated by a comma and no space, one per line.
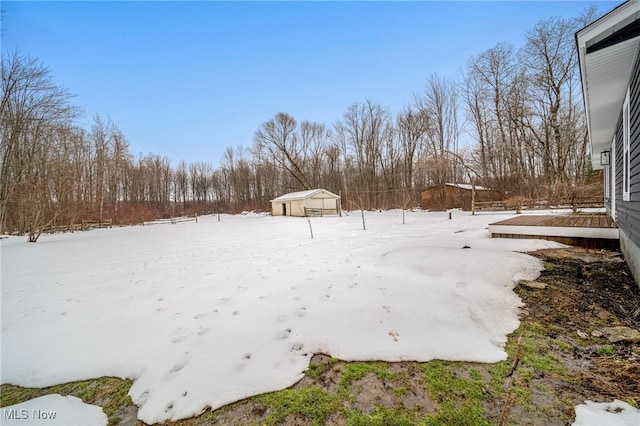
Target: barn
(454,195)
(609,55)
(314,202)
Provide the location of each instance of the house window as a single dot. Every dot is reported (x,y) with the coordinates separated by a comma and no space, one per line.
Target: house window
(626,150)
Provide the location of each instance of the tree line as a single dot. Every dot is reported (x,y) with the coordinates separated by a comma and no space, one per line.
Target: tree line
(521,108)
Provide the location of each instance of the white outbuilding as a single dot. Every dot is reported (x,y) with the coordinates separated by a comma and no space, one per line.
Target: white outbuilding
(314,202)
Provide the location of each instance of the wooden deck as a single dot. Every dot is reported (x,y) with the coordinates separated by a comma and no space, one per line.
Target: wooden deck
(584,230)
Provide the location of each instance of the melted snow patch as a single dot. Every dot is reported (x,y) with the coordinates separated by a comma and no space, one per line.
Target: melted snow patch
(53,410)
(616,413)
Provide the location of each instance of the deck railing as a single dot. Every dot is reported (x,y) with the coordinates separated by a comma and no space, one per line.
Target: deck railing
(573,203)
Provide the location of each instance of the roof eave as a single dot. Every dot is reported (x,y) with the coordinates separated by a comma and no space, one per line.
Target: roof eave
(605,74)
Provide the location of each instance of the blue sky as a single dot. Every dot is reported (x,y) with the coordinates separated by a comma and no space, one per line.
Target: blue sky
(188,79)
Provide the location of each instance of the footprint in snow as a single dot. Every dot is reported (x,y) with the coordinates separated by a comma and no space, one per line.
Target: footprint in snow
(178,339)
(284,334)
(242,364)
(143,397)
(296,347)
(178,366)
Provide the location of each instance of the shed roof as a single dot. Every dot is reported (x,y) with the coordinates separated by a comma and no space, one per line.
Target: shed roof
(606,50)
(462,186)
(301,195)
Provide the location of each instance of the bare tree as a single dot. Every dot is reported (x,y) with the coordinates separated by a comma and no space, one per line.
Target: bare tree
(313,138)
(181,184)
(32,108)
(363,127)
(412,126)
(279,139)
(440,101)
(551,60)
(495,95)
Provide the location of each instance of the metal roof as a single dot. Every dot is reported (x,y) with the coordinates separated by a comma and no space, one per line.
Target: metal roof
(468,186)
(606,50)
(461,186)
(301,195)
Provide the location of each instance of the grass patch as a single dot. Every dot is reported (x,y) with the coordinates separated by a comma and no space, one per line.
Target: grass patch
(541,362)
(606,350)
(313,403)
(399,391)
(315,371)
(381,417)
(443,383)
(357,370)
(469,414)
(461,400)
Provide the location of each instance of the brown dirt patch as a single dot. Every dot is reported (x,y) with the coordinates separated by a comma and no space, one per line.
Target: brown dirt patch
(588,291)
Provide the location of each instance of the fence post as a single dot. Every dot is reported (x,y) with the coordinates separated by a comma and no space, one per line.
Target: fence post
(310,228)
(473,199)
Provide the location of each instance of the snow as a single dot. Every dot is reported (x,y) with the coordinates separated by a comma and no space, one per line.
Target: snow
(53,410)
(204,314)
(616,413)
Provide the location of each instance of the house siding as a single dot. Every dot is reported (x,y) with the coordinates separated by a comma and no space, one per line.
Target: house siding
(628,212)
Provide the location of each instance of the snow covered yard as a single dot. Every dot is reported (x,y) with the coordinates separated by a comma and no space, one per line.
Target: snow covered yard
(201,315)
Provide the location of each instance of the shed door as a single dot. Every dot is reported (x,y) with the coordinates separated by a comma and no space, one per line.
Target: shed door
(284,209)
